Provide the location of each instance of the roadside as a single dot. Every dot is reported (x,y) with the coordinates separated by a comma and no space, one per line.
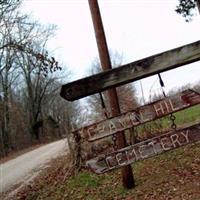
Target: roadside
(20,152)
(26,167)
(47,180)
(173,175)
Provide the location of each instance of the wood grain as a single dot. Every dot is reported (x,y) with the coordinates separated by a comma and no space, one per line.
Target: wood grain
(140,115)
(131,72)
(145,149)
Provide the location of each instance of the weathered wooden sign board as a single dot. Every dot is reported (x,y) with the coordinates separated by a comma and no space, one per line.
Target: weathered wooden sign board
(131,72)
(140,116)
(145,149)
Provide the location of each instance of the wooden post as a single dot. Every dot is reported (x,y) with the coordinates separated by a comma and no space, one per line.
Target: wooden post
(127,175)
(198,5)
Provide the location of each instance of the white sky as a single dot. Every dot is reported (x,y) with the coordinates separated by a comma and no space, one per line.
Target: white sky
(135,28)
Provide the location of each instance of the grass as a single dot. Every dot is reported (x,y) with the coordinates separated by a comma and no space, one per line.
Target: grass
(174,175)
(188,115)
(185,116)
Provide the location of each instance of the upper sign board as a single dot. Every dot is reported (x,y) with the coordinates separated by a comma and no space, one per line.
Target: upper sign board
(131,72)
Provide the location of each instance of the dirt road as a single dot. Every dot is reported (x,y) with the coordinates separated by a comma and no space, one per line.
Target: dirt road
(26,166)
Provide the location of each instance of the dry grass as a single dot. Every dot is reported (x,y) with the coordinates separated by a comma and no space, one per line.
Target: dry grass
(174,175)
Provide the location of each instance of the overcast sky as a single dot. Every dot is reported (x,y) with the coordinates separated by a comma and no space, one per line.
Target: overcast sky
(134,28)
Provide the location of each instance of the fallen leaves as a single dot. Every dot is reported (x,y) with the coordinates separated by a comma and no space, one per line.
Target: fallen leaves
(171,176)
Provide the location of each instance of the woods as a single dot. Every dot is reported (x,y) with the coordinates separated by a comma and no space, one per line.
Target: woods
(31,110)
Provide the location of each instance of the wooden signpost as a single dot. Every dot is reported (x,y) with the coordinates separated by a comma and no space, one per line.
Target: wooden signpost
(127,174)
(131,72)
(140,116)
(145,149)
(111,78)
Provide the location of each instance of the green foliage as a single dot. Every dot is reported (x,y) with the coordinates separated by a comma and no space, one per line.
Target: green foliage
(185,8)
(90,186)
(152,128)
(188,115)
(84,179)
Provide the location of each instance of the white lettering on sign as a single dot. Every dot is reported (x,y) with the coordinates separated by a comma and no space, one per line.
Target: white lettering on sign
(186,136)
(159,108)
(90,131)
(145,149)
(175,140)
(132,155)
(148,148)
(142,151)
(112,126)
(120,160)
(165,143)
(100,128)
(142,115)
(108,162)
(152,144)
(124,122)
(163,107)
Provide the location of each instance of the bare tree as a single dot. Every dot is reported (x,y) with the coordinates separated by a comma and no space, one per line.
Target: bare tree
(35,74)
(126,93)
(7,6)
(26,78)
(8,76)
(68,115)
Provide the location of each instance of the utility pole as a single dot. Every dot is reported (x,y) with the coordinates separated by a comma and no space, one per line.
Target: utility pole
(127,174)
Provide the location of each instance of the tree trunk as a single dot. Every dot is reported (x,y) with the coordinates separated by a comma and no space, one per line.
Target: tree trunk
(133,136)
(6,114)
(198,5)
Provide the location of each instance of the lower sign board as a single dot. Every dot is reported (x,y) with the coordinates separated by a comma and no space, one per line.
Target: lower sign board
(145,149)
(140,115)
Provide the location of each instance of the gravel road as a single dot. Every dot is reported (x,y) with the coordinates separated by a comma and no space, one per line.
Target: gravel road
(26,166)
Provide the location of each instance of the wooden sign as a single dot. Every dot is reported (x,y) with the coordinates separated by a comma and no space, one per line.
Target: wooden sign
(145,149)
(140,116)
(131,72)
